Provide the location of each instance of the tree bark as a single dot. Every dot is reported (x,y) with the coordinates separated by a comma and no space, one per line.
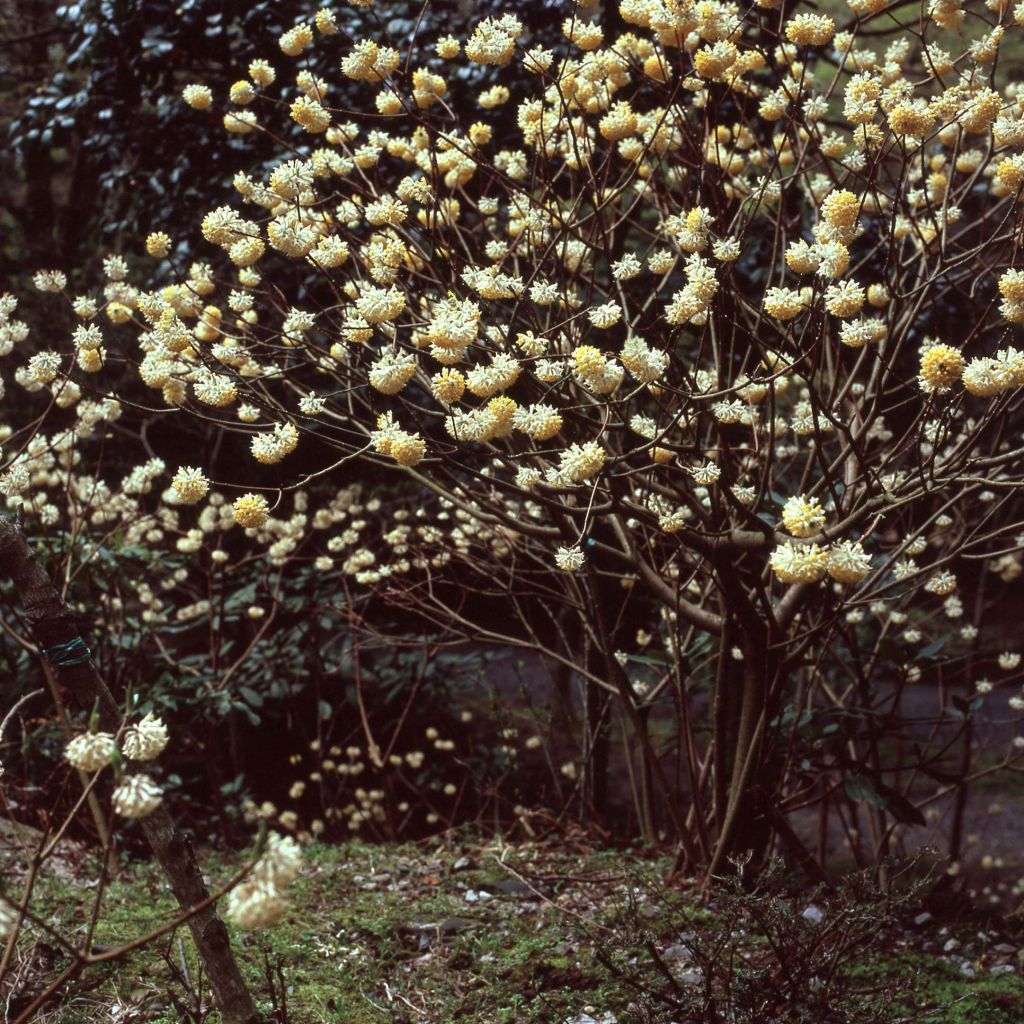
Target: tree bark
(52,623)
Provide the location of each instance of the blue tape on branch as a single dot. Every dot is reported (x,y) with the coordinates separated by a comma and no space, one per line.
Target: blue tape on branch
(74,652)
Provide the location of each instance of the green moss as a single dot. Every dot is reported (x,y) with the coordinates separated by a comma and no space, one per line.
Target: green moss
(357,945)
(937,991)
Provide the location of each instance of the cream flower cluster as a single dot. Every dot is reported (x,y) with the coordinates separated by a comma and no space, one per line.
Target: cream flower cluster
(259,901)
(136,795)
(845,561)
(481,317)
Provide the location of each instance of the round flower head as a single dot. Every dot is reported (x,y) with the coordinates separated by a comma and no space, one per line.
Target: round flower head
(619,123)
(43,367)
(448,385)
(803,516)
(198,97)
(581,462)
(251,510)
(137,796)
(541,422)
(570,559)
(190,485)
(375,305)
(784,303)
(942,583)
(90,751)
(240,122)
(326,22)
(313,116)
(295,40)
(242,93)
(254,904)
(878,295)
(799,563)
(941,367)
(448,48)
(214,389)
(146,740)
(262,73)
(848,562)
(845,299)
(839,211)
(810,29)
(1009,660)
(494,40)
(407,449)
(706,474)
(158,244)
(985,377)
(280,863)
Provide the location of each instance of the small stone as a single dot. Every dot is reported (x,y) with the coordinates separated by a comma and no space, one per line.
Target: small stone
(967,969)
(1003,969)
(507,887)
(678,952)
(813,914)
(463,864)
(922,919)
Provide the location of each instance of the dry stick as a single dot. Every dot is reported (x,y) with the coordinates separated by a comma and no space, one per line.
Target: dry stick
(52,624)
(83,777)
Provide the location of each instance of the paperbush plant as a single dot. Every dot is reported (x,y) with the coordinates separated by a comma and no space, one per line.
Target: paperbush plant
(706,351)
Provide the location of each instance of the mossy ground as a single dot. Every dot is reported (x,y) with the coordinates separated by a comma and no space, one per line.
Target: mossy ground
(517,934)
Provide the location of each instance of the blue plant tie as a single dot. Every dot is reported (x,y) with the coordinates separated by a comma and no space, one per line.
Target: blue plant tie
(74,652)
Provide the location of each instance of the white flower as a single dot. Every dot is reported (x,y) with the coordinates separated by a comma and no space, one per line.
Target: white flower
(942,583)
(146,740)
(280,863)
(605,316)
(570,559)
(312,404)
(904,569)
(848,562)
(137,796)
(626,268)
(706,474)
(91,751)
(726,249)
(50,280)
(255,904)
(1009,660)
(803,516)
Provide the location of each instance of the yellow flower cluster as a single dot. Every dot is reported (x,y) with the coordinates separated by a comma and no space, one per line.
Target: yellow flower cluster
(941,367)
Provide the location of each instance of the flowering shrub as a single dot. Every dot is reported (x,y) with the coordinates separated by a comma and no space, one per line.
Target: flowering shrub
(698,324)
